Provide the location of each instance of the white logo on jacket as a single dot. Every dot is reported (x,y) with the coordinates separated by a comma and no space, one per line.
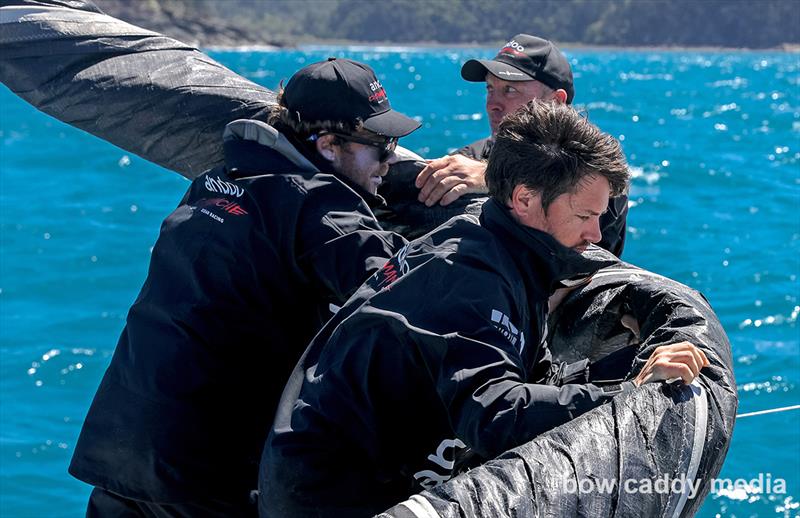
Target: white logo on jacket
(504,325)
(223,187)
(428,478)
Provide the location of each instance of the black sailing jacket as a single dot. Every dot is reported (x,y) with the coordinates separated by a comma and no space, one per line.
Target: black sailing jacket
(240,280)
(613,222)
(440,351)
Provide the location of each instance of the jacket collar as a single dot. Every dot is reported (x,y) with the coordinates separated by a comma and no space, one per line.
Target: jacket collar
(545,263)
(487,148)
(254,148)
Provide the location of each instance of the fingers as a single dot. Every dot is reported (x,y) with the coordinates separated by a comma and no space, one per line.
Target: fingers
(677,361)
(703,356)
(433,191)
(428,170)
(451,176)
(680,360)
(680,366)
(681,371)
(700,356)
(435,180)
(663,370)
(691,359)
(454,194)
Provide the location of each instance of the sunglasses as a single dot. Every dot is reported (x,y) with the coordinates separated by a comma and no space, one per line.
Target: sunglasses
(385,147)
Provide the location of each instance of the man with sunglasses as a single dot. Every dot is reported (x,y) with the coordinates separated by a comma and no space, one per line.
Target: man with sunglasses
(363,174)
(243,274)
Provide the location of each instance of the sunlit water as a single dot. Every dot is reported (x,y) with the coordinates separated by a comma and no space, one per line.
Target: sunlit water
(714,142)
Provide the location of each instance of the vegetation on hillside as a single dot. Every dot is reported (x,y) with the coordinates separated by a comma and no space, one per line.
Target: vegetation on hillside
(718,23)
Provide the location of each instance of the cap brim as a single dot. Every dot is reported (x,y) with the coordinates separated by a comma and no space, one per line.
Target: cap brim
(391,124)
(475,70)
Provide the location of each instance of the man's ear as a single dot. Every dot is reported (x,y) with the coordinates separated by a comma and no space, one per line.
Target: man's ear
(326,147)
(560,95)
(525,203)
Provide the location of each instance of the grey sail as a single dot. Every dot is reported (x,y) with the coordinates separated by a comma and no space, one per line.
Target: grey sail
(148,94)
(659,431)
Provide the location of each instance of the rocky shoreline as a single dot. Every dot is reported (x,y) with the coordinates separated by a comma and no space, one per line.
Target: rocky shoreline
(185,22)
(182,26)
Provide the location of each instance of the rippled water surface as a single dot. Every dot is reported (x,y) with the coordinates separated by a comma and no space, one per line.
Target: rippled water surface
(714,142)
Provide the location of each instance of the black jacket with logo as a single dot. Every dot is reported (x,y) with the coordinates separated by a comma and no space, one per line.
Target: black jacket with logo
(440,351)
(613,222)
(240,280)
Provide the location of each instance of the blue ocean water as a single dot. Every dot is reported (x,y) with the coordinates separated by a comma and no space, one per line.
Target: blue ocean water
(713,139)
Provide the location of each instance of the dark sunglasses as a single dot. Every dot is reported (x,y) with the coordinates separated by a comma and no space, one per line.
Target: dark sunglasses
(385,147)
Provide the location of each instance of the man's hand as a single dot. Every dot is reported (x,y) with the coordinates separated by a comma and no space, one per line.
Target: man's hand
(445,179)
(681,360)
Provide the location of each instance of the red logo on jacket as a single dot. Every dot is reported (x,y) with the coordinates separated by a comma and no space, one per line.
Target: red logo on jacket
(395,268)
(231,207)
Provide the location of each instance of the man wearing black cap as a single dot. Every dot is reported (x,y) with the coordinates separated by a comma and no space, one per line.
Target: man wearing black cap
(526,68)
(241,278)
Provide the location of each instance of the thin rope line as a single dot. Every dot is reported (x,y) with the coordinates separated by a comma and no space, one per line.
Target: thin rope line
(770,411)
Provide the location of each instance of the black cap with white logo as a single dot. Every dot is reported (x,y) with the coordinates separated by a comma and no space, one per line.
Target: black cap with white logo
(524,58)
(342,90)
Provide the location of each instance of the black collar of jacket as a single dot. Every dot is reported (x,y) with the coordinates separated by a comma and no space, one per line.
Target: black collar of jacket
(487,148)
(544,261)
(245,158)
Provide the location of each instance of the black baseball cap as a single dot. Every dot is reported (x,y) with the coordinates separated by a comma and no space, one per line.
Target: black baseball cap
(523,58)
(343,90)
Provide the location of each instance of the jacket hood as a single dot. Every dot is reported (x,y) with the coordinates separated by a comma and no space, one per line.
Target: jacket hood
(536,252)
(253,148)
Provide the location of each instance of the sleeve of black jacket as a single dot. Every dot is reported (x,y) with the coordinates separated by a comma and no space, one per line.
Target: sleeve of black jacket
(339,248)
(480,375)
(478,150)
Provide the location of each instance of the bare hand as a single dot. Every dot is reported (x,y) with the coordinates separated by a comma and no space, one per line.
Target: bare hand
(446,179)
(681,360)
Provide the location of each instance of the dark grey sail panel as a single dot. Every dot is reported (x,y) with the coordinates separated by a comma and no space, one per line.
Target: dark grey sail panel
(659,431)
(146,93)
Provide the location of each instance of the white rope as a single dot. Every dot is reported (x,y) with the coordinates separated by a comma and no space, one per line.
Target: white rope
(770,411)
(420,507)
(698,442)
